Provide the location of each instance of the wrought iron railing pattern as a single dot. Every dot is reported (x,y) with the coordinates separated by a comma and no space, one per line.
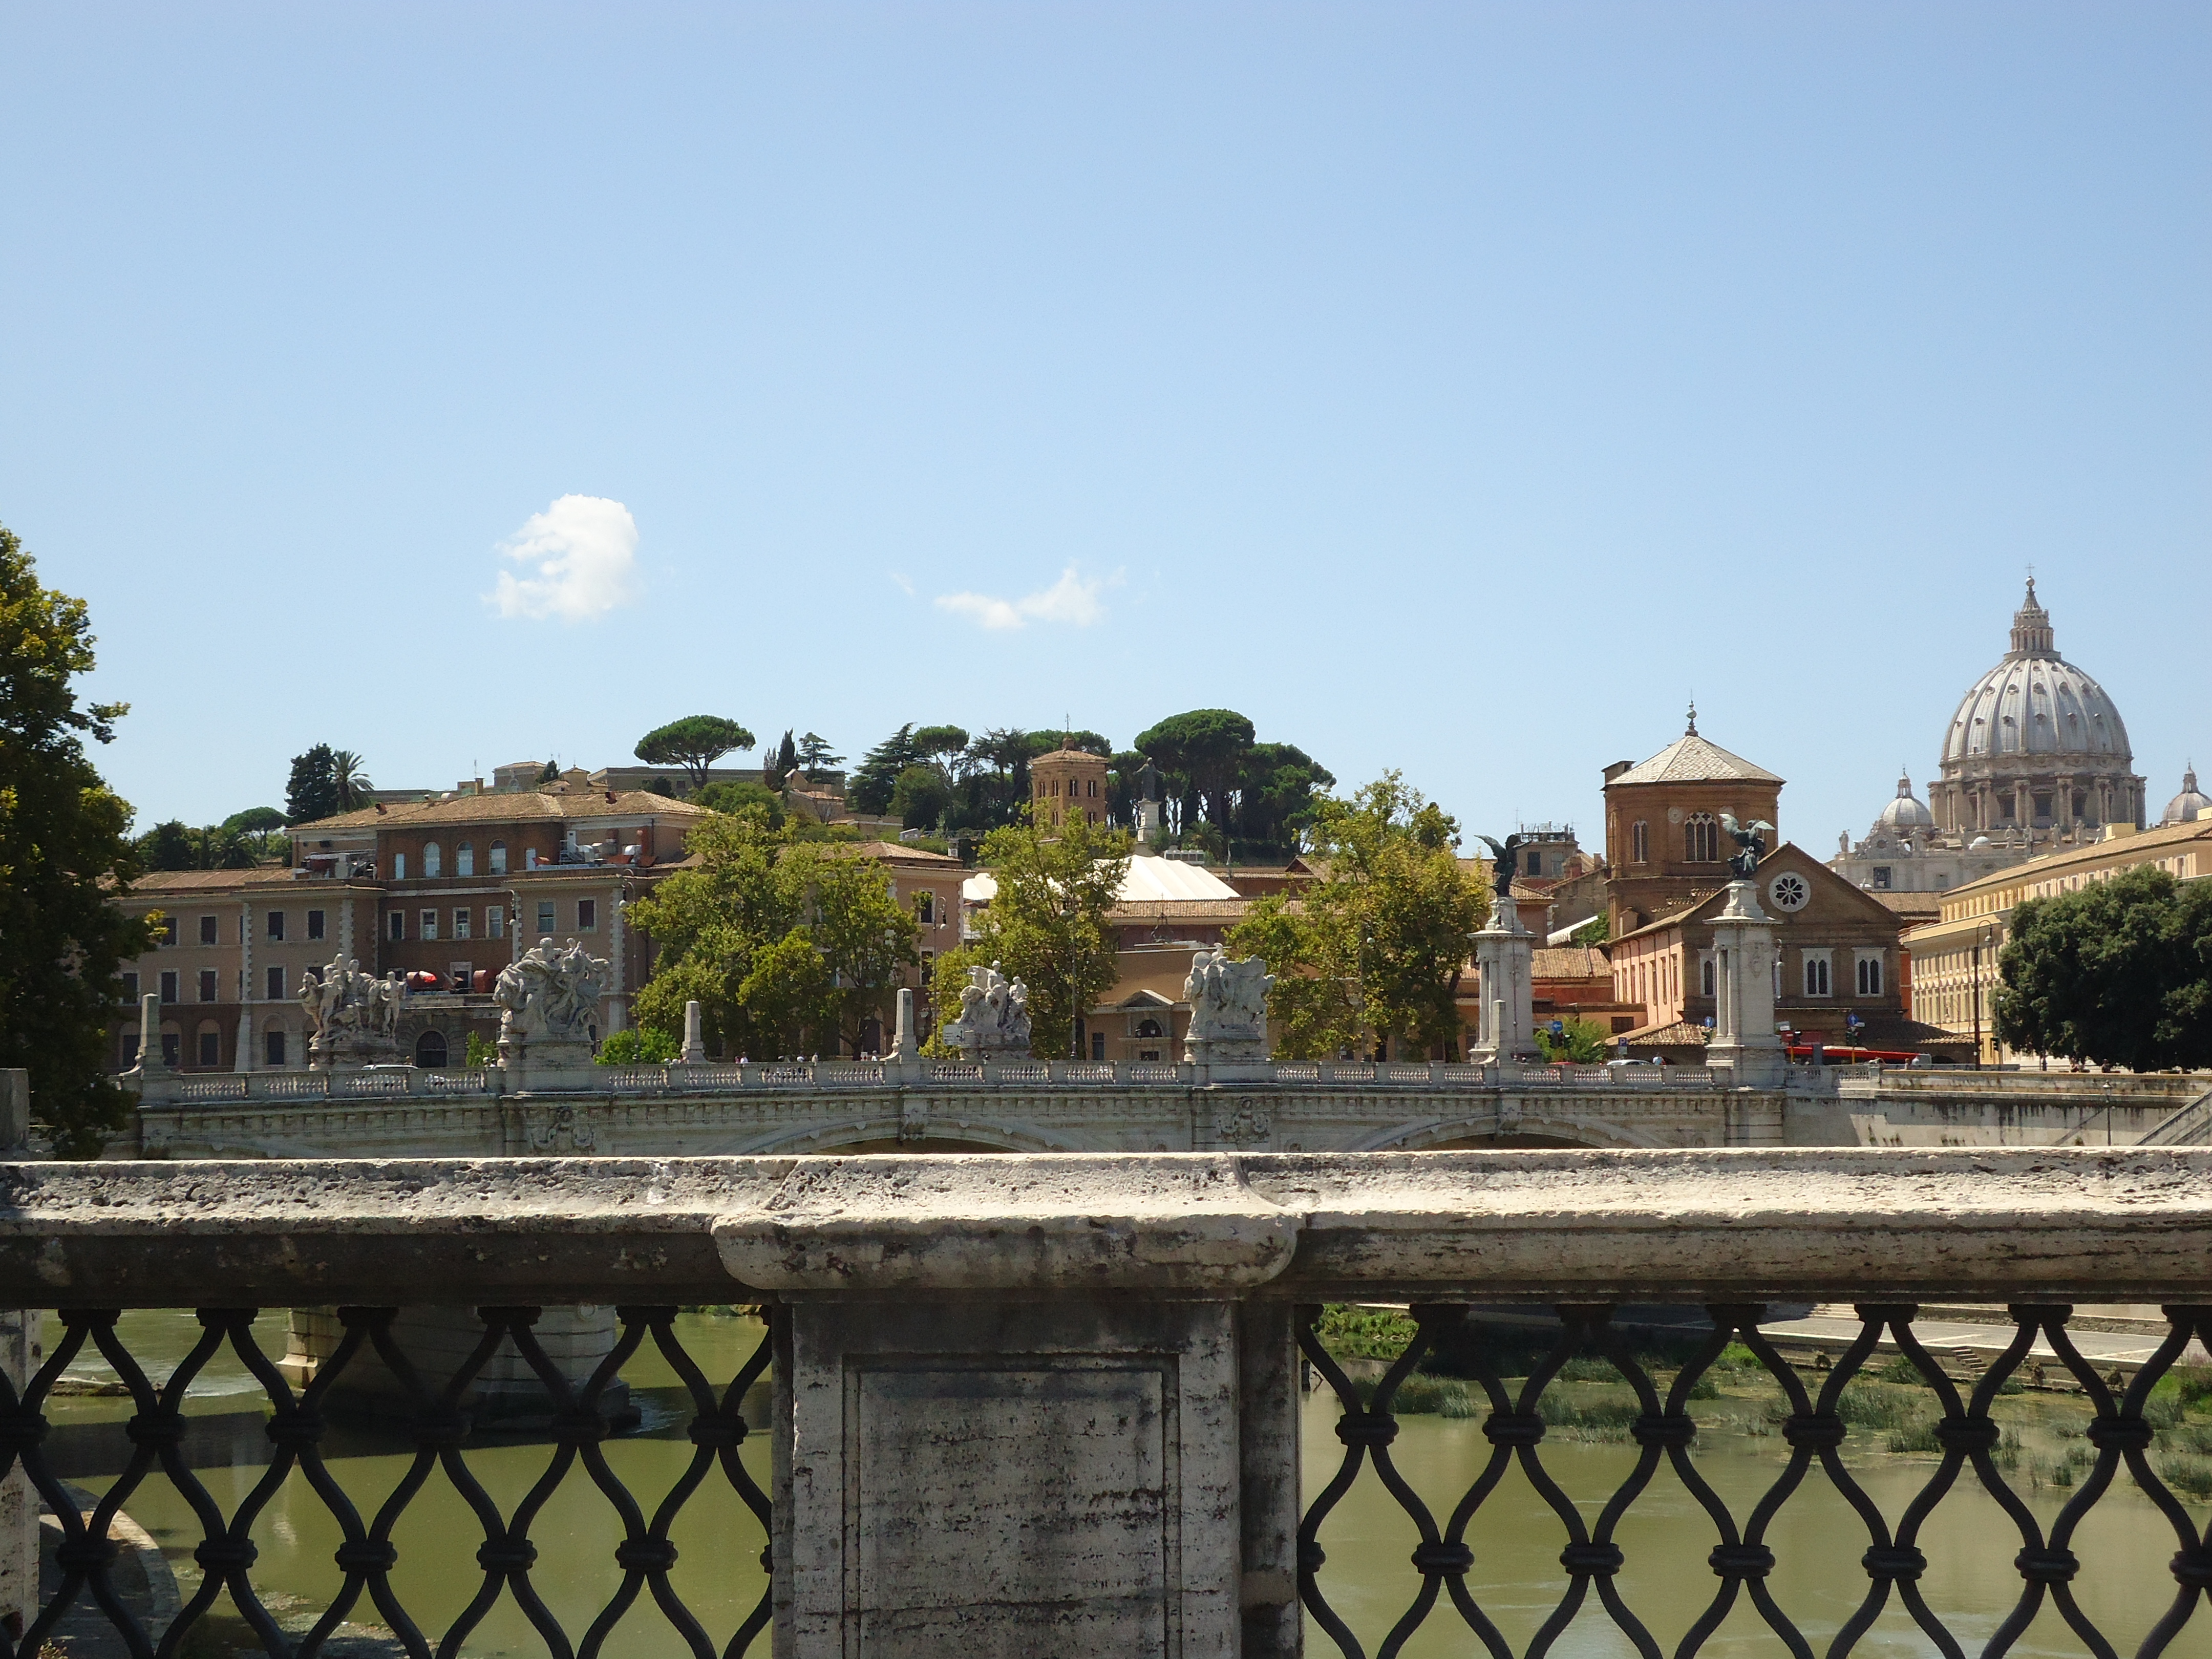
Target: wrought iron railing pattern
(441,1429)
(1741,1557)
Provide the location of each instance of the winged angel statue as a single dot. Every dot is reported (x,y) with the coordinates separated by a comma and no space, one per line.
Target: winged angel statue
(1751,844)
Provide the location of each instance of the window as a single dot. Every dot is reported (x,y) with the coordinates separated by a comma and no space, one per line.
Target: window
(587,916)
(545,919)
(1097,1047)
(1869,972)
(399,867)
(272,1047)
(499,858)
(129,990)
(1701,838)
(1536,861)
(315,924)
(431,858)
(530,858)
(460,924)
(1705,972)
(495,921)
(172,1048)
(925,908)
(431,1049)
(129,1051)
(429,925)
(464,859)
(210,1047)
(277,925)
(207,930)
(168,930)
(1881,878)
(395,925)
(1639,842)
(1816,973)
(169,985)
(276,984)
(1146,1028)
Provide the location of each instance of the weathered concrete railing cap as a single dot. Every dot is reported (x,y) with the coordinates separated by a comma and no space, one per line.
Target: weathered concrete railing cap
(1747,1224)
(1075,1221)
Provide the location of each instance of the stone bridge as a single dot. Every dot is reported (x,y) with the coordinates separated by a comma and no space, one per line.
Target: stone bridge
(752,1109)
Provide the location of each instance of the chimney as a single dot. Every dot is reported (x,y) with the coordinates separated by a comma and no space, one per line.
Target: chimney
(1616,769)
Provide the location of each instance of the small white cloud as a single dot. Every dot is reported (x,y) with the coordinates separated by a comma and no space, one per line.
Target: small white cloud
(1071,599)
(905,587)
(580,555)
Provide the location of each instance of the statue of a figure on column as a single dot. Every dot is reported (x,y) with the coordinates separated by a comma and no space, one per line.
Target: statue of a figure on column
(1750,843)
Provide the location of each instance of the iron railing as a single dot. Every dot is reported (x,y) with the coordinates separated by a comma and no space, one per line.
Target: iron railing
(1742,1557)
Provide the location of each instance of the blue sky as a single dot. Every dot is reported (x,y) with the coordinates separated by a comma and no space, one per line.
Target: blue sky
(1452,388)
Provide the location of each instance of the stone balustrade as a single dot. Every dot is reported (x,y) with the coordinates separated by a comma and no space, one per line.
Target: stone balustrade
(1049,1403)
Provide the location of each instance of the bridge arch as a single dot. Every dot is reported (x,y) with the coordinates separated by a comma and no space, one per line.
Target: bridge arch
(1530,1130)
(881,1134)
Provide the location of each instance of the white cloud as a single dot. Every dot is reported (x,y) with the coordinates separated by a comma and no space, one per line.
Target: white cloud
(1070,599)
(580,555)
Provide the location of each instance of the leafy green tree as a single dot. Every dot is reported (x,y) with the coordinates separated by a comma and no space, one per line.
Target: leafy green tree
(777,773)
(479,1051)
(815,758)
(2117,973)
(1596,931)
(168,846)
(694,742)
(788,946)
(646,1046)
(550,772)
(259,829)
(1374,949)
(869,789)
(65,856)
(1203,753)
(1278,786)
(1581,1043)
(326,781)
(922,798)
(1046,926)
(742,795)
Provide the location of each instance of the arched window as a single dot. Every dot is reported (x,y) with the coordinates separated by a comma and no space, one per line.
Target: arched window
(1639,842)
(1148,1028)
(1705,973)
(431,1049)
(499,858)
(1701,838)
(430,858)
(464,859)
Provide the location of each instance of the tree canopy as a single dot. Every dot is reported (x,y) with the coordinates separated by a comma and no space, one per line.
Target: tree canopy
(326,781)
(2117,973)
(64,857)
(1046,926)
(789,947)
(694,742)
(815,758)
(1222,787)
(1374,948)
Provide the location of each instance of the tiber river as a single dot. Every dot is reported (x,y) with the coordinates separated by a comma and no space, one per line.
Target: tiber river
(2123,1584)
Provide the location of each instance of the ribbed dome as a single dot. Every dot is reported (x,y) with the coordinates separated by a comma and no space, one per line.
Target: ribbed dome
(1905,816)
(2036,703)
(2190,804)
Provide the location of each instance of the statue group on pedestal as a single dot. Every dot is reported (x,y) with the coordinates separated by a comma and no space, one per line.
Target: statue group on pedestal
(1228,1007)
(355,1016)
(549,995)
(994,1017)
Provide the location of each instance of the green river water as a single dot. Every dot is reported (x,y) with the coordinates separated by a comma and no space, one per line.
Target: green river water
(2124,1583)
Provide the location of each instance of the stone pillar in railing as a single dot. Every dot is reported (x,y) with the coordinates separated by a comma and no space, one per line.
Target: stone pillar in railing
(20,1354)
(1744,1037)
(1505,952)
(150,1035)
(1022,1418)
(695,1044)
(1227,1041)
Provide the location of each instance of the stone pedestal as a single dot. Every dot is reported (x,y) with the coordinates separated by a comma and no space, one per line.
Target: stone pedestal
(1504,952)
(1029,1433)
(1744,949)
(507,1393)
(695,1044)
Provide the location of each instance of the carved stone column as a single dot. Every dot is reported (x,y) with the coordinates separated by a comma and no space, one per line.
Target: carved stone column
(1504,953)
(1744,947)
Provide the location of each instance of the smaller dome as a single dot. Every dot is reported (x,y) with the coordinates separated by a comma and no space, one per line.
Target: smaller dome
(1904,814)
(2190,804)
